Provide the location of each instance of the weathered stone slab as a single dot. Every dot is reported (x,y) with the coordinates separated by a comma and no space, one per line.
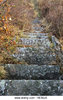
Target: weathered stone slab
(38,56)
(38,34)
(34,41)
(18,71)
(32,88)
(35,35)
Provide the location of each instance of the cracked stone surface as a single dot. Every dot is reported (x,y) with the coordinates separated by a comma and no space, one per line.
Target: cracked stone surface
(32,87)
(38,56)
(18,71)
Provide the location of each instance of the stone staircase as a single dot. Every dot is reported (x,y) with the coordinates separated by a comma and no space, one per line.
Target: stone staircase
(41,73)
(40,57)
(39,48)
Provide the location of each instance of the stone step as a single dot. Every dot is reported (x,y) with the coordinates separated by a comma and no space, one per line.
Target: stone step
(38,56)
(31,88)
(44,41)
(41,41)
(35,72)
(37,34)
(37,28)
(36,21)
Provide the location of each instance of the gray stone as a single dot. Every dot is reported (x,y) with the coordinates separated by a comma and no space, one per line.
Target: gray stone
(33,87)
(18,71)
(2,87)
(38,56)
(35,41)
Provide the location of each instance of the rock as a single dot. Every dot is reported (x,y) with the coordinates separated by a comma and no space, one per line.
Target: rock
(36,21)
(60,55)
(33,88)
(34,41)
(2,87)
(56,43)
(38,56)
(18,71)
